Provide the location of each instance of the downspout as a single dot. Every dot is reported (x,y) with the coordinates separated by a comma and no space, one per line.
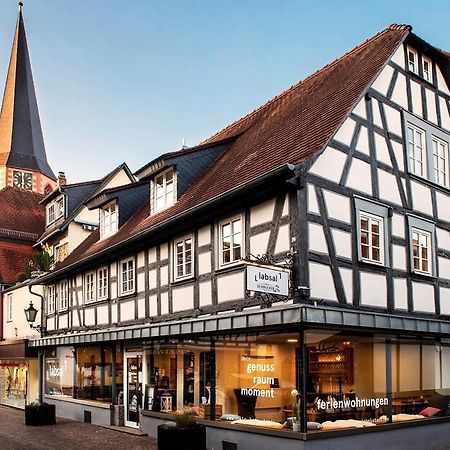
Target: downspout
(40,351)
(1,314)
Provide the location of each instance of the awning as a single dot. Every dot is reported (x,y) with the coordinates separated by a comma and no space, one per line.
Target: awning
(16,349)
(254,320)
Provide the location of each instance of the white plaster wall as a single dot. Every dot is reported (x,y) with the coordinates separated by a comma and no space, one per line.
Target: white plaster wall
(63,321)
(102,314)
(152,278)
(140,282)
(51,323)
(338,206)
(381,84)
(421,196)
(204,235)
(416,98)
(183,298)
(317,240)
(75,319)
(347,281)
(399,94)
(114,312)
(376,113)
(313,206)
(388,187)
(400,294)
(360,109)
(164,303)
(152,255)
(423,297)
(258,243)
(431,106)
(342,242)
(399,257)
(89,316)
(230,287)
(398,153)
(382,150)
(398,225)
(443,202)
(373,289)
(443,238)
(204,263)
(329,164)
(445,115)
(153,305)
(141,308)
(285,211)
(444,268)
(399,57)
(127,310)
(262,213)
(345,132)
(362,144)
(442,85)
(164,275)
(321,282)
(283,239)
(359,176)
(164,250)
(205,297)
(140,259)
(445,300)
(394,120)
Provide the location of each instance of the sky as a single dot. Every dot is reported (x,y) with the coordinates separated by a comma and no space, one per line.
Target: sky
(126,81)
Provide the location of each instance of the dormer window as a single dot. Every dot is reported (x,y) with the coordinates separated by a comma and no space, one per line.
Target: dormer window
(59,207)
(163,190)
(50,213)
(426,69)
(55,210)
(109,220)
(412,61)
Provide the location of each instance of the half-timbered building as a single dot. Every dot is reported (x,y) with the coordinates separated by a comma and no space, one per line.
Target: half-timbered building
(305,247)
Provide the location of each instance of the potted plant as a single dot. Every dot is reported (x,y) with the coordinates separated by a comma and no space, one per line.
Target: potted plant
(40,414)
(184,433)
(295,411)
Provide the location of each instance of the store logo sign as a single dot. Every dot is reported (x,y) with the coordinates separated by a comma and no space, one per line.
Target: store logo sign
(55,371)
(262,279)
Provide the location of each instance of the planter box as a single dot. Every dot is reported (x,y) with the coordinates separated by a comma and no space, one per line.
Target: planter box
(192,438)
(44,414)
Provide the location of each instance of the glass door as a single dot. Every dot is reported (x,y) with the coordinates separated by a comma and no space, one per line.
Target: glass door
(133,388)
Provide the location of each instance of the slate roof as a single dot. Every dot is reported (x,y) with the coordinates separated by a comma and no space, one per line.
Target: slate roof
(21,140)
(291,128)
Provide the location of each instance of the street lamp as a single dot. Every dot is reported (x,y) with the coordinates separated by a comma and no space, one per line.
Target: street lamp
(30,314)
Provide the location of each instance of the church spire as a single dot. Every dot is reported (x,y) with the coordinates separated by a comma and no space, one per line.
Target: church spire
(21,139)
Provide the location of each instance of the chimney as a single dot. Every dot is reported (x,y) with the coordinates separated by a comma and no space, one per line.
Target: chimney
(62,180)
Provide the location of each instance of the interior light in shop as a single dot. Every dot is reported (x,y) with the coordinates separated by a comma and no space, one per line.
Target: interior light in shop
(292,341)
(346,343)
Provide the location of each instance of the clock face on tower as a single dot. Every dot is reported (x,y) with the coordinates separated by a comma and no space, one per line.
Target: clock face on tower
(23,180)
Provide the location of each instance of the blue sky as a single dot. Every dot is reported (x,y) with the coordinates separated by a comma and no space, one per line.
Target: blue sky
(128,80)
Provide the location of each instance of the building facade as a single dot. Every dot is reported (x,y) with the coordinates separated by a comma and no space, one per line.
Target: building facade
(301,274)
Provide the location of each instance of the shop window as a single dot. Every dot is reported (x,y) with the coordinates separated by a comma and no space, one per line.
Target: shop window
(94,369)
(421,240)
(127,276)
(230,241)
(372,231)
(183,258)
(59,364)
(13,383)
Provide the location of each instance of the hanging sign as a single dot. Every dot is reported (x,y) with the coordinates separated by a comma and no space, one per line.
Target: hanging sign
(263,279)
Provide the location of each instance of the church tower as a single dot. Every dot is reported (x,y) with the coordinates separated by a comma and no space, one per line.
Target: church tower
(23,160)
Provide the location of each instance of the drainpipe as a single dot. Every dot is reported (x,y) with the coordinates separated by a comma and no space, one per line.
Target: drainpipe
(41,351)
(1,313)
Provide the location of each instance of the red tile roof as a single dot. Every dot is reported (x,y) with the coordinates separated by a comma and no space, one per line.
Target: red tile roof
(291,128)
(12,260)
(21,212)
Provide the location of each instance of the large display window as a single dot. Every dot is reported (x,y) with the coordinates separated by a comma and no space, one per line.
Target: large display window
(59,364)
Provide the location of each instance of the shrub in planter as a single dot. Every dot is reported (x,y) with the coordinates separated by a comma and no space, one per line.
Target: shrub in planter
(40,414)
(185,433)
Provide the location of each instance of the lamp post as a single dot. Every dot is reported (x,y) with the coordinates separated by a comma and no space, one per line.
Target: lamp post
(30,314)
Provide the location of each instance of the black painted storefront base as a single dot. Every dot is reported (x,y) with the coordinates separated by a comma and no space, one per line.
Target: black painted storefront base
(191,438)
(37,415)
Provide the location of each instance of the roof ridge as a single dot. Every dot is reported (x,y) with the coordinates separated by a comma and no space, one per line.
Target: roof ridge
(393,27)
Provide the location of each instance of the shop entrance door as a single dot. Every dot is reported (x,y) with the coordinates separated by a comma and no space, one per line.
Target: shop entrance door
(133,388)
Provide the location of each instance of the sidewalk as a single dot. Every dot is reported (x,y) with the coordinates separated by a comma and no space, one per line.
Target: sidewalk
(65,435)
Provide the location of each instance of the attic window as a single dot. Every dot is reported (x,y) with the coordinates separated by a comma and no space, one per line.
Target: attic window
(163,190)
(412,61)
(55,210)
(426,69)
(109,220)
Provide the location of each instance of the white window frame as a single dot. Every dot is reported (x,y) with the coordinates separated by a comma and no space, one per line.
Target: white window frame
(127,276)
(429,72)
(412,64)
(59,207)
(168,198)
(223,223)
(440,163)
(63,295)
(51,299)
(413,161)
(109,221)
(51,215)
(427,235)
(185,262)
(372,218)
(102,283)
(9,308)
(89,287)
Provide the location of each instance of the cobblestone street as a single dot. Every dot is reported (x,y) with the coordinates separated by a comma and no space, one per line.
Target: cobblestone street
(65,435)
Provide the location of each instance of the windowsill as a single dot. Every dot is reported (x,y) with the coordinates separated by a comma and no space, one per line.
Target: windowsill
(64,398)
(96,302)
(231,266)
(126,295)
(183,280)
(63,310)
(367,263)
(423,275)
